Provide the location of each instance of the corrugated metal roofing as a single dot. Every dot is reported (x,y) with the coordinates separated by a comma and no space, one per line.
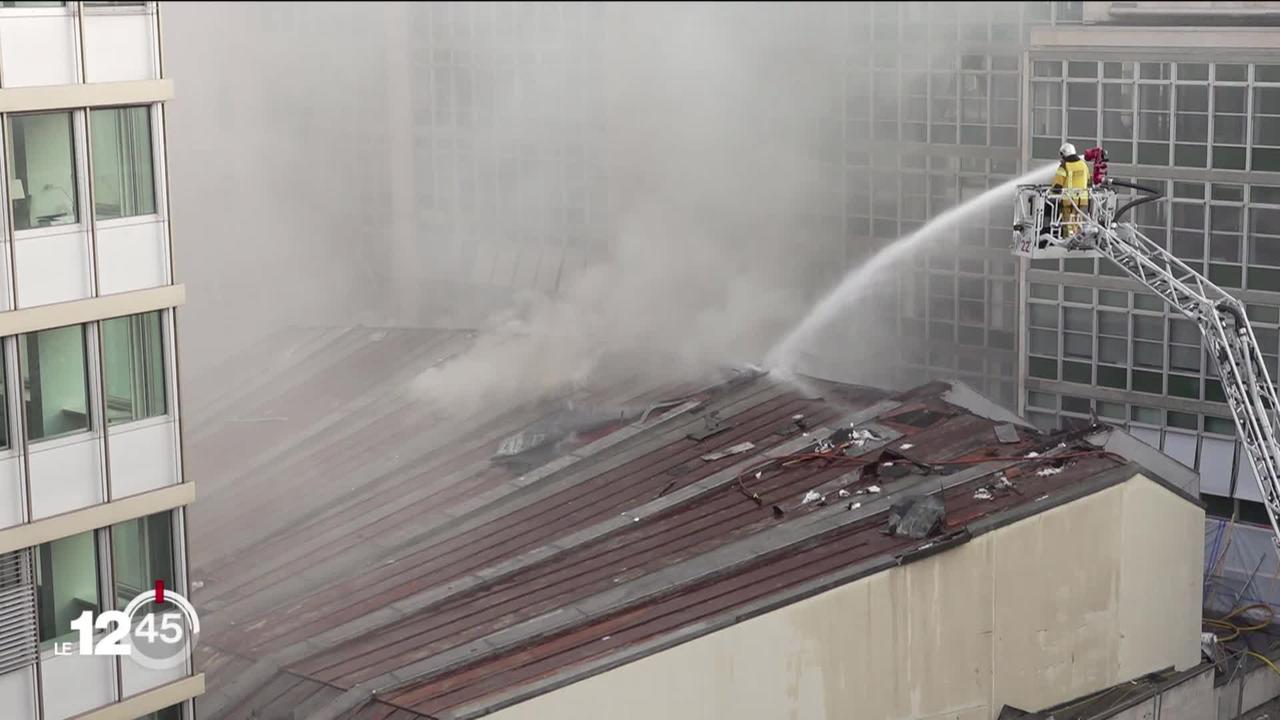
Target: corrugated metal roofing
(433,580)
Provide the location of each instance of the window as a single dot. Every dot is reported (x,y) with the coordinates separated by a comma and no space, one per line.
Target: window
(1229,115)
(133,367)
(1266,128)
(1192,102)
(123,178)
(173,712)
(1117,119)
(1153,121)
(42,186)
(1114,411)
(1219,425)
(52,365)
(66,583)
(1046,115)
(142,553)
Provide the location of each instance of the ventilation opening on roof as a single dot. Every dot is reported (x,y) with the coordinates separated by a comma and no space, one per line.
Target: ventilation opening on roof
(921,418)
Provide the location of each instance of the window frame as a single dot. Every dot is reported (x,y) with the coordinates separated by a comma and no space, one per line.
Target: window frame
(155,129)
(79,178)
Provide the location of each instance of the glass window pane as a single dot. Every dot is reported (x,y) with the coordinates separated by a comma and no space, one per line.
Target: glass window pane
(42,183)
(1077,372)
(1228,99)
(1148,301)
(133,367)
(1266,101)
(1193,98)
(1046,68)
(1148,327)
(1114,377)
(52,365)
(1153,97)
(1042,400)
(1118,70)
(1043,342)
(1150,416)
(1113,298)
(1044,292)
(1219,425)
(1113,323)
(1082,95)
(1226,129)
(1193,127)
(1229,193)
(1082,124)
(1117,124)
(1154,71)
(1042,368)
(141,554)
(1045,316)
(1077,294)
(1193,71)
(1077,319)
(1264,313)
(1231,73)
(1148,354)
(1113,350)
(1077,345)
(66,583)
(123,179)
(1184,357)
(1184,331)
(173,712)
(1183,386)
(1148,382)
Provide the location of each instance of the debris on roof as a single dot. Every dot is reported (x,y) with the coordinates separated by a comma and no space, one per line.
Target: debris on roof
(917,517)
(729,451)
(1007,433)
(712,425)
(428,552)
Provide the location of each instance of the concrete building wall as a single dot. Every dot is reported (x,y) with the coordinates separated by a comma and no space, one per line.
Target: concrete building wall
(1064,603)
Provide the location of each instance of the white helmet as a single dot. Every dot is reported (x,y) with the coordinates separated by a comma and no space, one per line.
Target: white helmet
(1066,150)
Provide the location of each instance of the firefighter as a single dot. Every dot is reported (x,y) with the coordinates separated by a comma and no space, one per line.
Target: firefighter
(1072,179)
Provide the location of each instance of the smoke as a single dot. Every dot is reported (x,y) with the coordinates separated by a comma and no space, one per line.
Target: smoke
(603,190)
(710,116)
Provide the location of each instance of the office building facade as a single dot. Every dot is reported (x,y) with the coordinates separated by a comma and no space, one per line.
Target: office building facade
(1189,105)
(92,493)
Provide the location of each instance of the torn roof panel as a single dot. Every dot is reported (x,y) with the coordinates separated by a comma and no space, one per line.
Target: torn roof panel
(451,583)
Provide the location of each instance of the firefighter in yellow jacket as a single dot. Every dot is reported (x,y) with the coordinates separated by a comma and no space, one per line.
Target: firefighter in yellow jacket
(1072,179)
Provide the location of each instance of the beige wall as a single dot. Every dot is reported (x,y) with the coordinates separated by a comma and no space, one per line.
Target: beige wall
(1074,599)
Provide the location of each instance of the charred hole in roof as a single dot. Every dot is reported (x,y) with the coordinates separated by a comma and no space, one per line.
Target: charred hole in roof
(920,418)
(889,465)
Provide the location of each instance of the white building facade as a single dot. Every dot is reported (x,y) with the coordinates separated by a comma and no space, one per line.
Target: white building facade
(92,494)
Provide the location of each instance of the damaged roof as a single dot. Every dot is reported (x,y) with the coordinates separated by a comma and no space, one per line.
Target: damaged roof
(448,570)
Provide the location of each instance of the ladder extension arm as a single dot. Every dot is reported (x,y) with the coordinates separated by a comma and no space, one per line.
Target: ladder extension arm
(1227,336)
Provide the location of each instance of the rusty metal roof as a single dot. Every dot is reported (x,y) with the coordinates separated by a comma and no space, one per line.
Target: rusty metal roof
(425,579)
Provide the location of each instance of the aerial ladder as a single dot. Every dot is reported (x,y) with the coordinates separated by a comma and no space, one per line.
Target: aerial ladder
(1050,223)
